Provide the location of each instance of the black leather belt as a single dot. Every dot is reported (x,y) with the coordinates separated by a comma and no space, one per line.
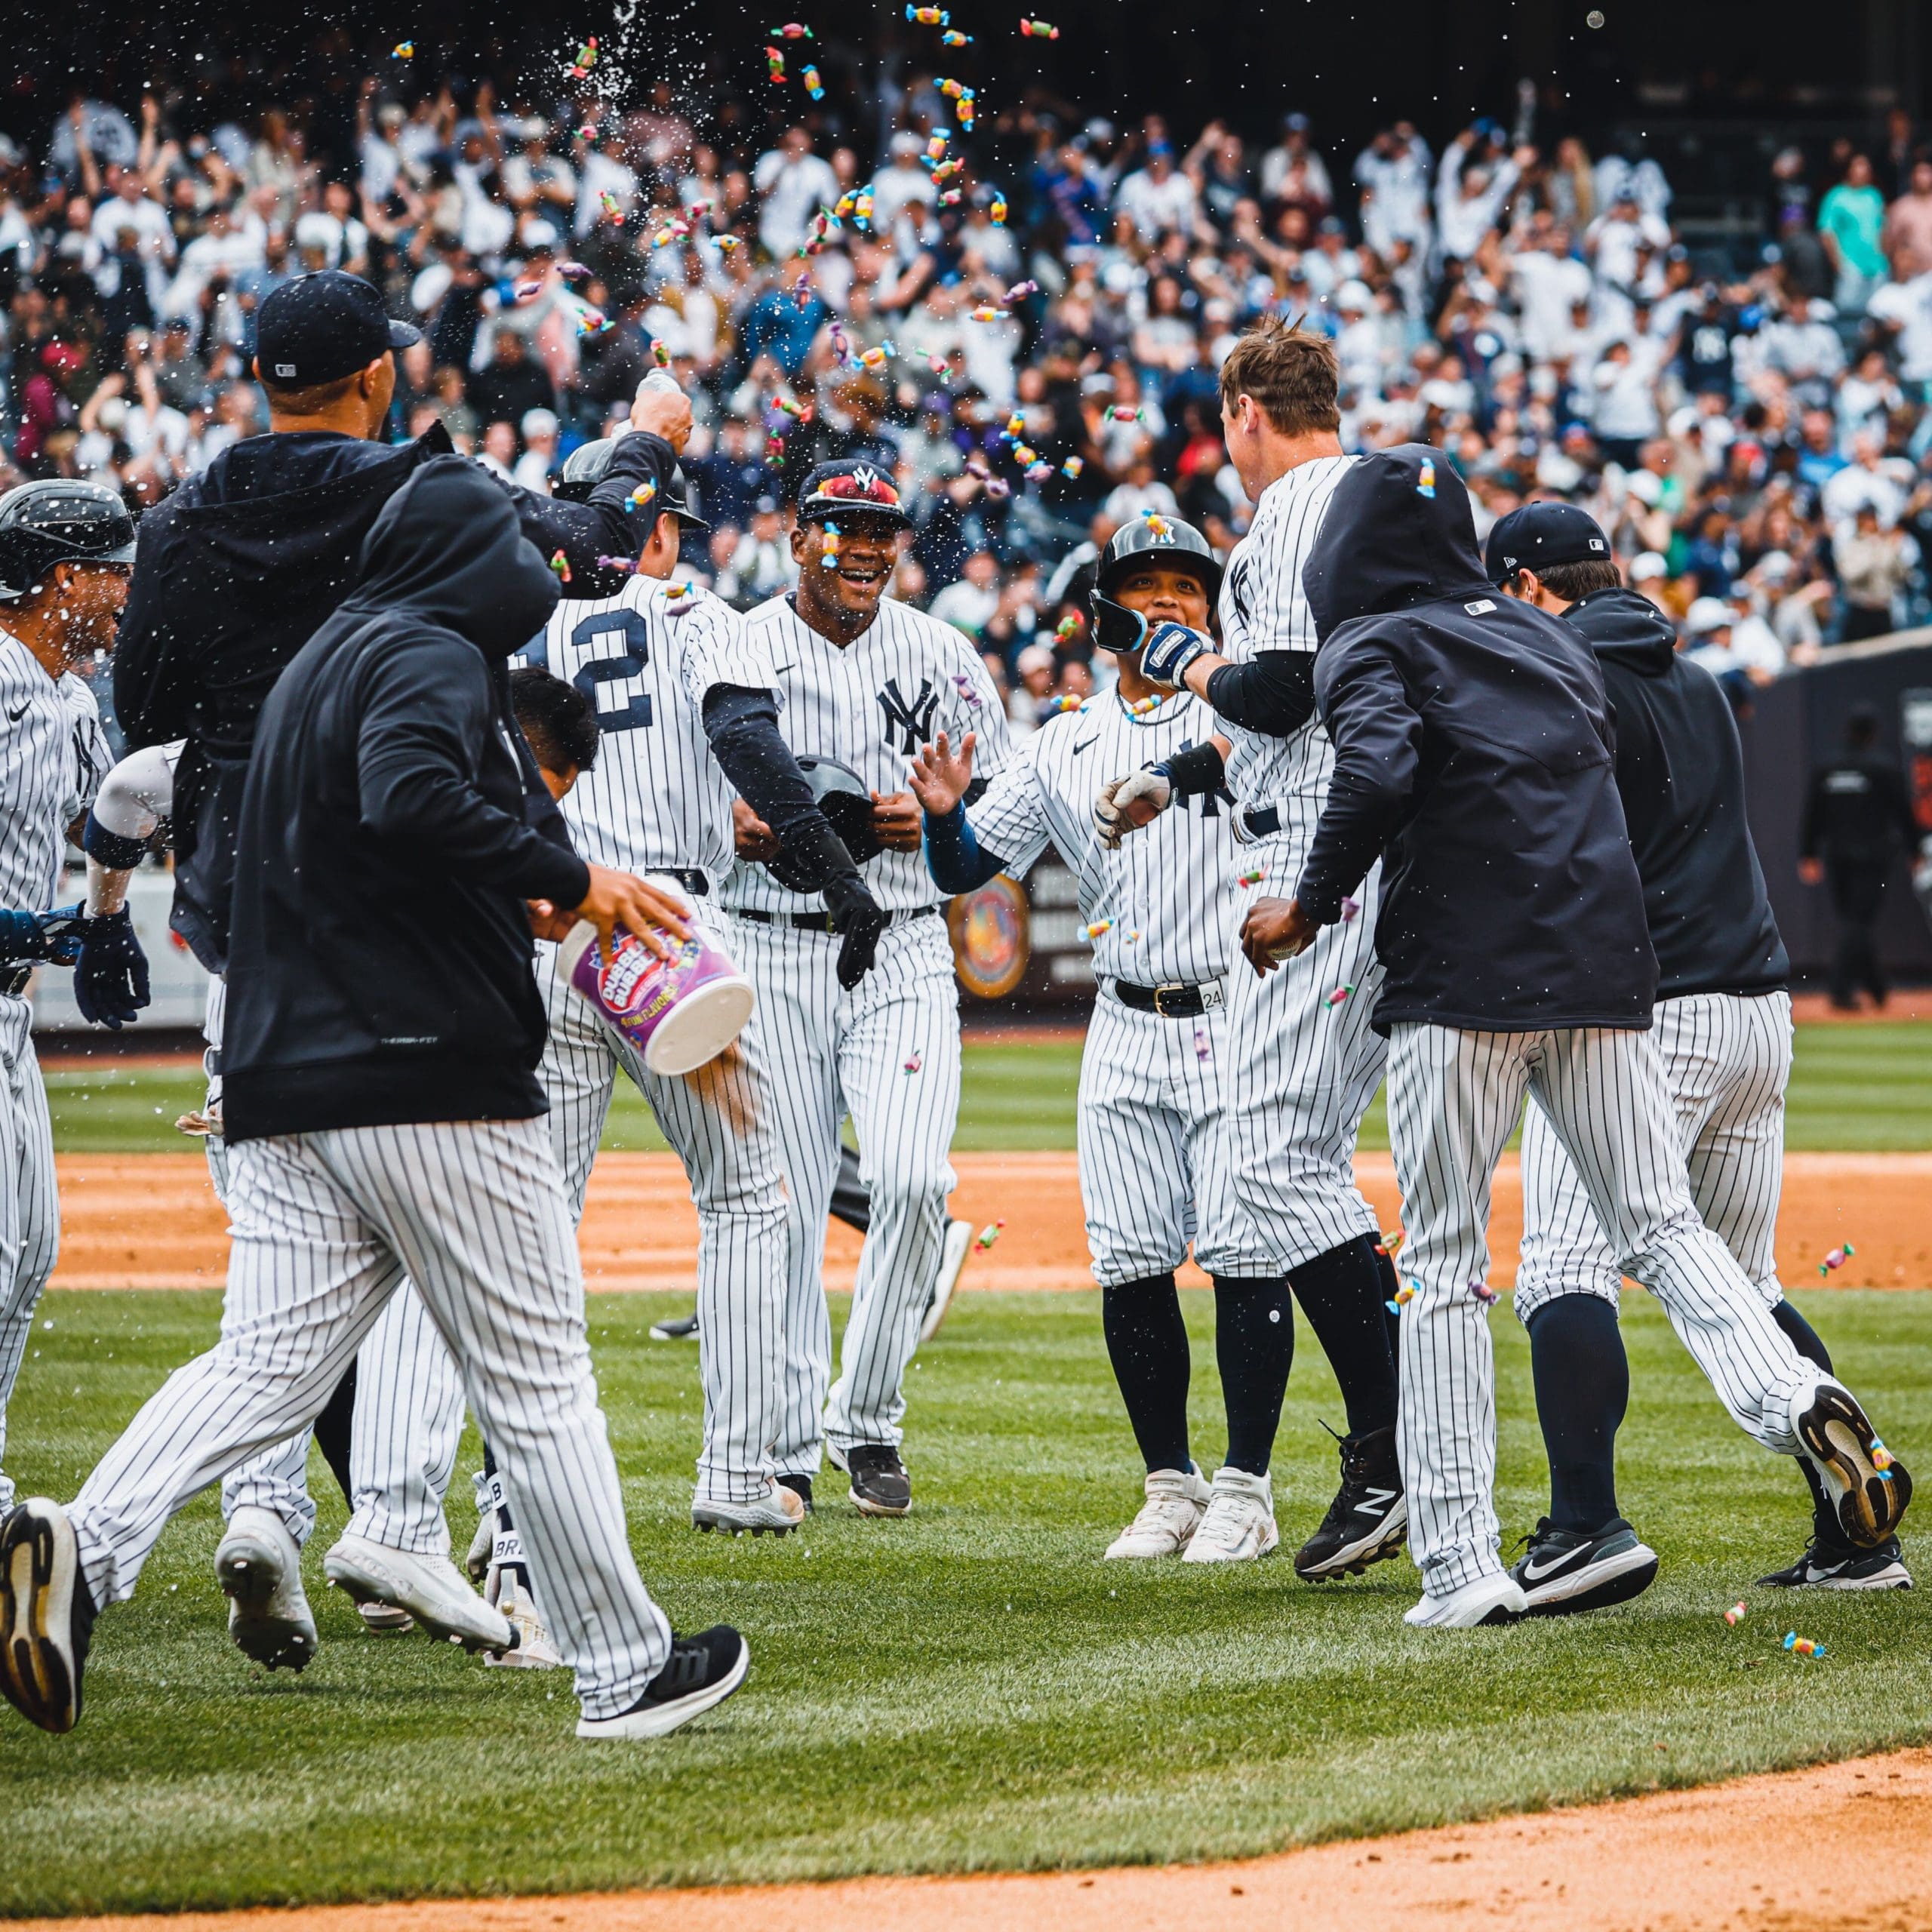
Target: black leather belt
(14,979)
(821,922)
(697,883)
(1261,824)
(1170,1002)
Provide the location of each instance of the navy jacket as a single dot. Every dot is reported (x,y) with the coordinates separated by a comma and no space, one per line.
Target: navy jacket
(237,570)
(1473,754)
(1680,773)
(392,824)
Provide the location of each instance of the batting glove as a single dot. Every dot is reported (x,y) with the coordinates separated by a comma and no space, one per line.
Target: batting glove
(1169,650)
(53,937)
(1110,815)
(111,973)
(858,918)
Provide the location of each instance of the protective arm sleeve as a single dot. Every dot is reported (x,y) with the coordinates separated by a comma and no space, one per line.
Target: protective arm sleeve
(132,800)
(743,727)
(1273,693)
(607,525)
(1199,769)
(955,858)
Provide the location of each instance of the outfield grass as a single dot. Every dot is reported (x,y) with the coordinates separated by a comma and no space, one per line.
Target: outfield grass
(971,1688)
(1854,1088)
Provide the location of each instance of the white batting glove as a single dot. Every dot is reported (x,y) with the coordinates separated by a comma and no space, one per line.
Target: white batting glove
(1123,804)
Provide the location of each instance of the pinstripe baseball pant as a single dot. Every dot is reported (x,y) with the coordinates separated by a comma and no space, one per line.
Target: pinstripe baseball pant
(1727,1059)
(324,1226)
(30,1201)
(719,1119)
(1453,1096)
(888,1051)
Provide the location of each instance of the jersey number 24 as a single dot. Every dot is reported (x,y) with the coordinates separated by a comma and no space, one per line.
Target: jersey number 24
(614,713)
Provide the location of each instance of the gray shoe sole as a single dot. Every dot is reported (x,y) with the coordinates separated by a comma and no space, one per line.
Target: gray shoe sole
(39,1573)
(250,1573)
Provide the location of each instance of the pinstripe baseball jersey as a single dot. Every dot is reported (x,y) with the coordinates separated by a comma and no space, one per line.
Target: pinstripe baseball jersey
(1262,608)
(871,705)
(55,755)
(655,798)
(1168,893)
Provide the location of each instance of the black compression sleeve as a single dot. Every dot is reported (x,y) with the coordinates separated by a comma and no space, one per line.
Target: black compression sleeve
(1199,769)
(1273,693)
(743,726)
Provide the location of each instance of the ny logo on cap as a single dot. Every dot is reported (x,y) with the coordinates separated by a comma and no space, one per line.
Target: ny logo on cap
(865,478)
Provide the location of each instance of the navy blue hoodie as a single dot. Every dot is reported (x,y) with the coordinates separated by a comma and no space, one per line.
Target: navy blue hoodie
(391,825)
(1473,754)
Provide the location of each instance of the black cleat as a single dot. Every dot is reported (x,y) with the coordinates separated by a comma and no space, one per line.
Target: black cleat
(46,1614)
(880,1485)
(800,1486)
(701,1671)
(1843,1449)
(1368,1520)
(1569,1570)
(1829,1566)
(683,1328)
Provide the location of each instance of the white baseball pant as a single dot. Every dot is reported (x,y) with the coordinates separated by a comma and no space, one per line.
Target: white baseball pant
(719,1119)
(1453,1096)
(30,1200)
(829,1051)
(324,1226)
(1727,1059)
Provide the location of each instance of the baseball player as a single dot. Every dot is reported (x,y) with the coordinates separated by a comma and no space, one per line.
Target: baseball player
(1310,1064)
(1723,1032)
(65,552)
(865,681)
(1155,1166)
(1472,748)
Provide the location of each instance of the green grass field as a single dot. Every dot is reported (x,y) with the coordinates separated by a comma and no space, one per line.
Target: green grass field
(971,1688)
(1854,1088)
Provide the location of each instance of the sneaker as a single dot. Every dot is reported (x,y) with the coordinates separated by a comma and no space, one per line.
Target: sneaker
(259,1567)
(1496,1599)
(880,1485)
(509,1596)
(682,1328)
(1825,1566)
(1836,1440)
(1568,1570)
(703,1671)
(1176,1500)
(385,1620)
(951,1265)
(780,1509)
(1238,1524)
(1368,1520)
(801,1486)
(46,1614)
(430,1589)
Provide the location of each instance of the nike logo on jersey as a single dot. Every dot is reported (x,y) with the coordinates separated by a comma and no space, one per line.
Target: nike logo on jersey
(14,717)
(1091,742)
(779,670)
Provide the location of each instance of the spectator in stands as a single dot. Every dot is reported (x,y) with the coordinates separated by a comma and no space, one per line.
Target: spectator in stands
(1851,223)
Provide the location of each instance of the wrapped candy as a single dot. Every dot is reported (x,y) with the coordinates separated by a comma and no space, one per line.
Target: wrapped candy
(1120,414)
(1039,470)
(928,17)
(1351,909)
(1069,628)
(404,50)
(642,495)
(1073,467)
(989,1235)
(660,354)
(528,289)
(792,30)
(572,271)
(1734,1615)
(1338,995)
(952,36)
(813,86)
(613,207)
(1484,1294)
(878,357)
(1837,1258)
(1019,289)
(862,209)
(828,556)
(997,487)
(726,243)
(1803,1647)
(952,198)
(1038,30)
(625,566)
(944,170)
(593,321)
(1402,1295)
(1253,876)
(989,315)
(587,135)
(997,212)
(1099,928)
(842,208)
(774,64)
(936,148)
(561,564)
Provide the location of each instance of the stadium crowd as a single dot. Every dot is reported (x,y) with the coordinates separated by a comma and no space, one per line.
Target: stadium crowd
(1754,432)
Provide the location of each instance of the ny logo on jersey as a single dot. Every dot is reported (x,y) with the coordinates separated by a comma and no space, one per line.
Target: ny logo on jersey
(915,720)
(1211,802)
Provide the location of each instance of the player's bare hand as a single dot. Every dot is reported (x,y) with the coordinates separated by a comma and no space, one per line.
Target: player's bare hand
(896,820)
(547,922)
(621,899)
(664,410)
(1275,929)
(755,839)
(939,775)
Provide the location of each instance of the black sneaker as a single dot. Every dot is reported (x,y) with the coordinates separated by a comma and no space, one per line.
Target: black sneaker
(1368,1520)
(681,1329)
(701,1671)
(880,1485)
(46,1614)
(800,1486)
(1569,1570)
(1825,1566)
(1837,1440)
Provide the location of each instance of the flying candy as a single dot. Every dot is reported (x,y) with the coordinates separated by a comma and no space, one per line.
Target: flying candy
(528,289)
(1734,1616)
(1484,1294)
(952,36)
(828,555)
(792,30)
(1803,1646)
(613,207)
(1019,289)
(1882,1457)
(1338,995)
(1039,470)
(586,54)
(1119,414)
(912,1065)
(1025,456)
(1253,878)
(726,243)
(1392,1239)
(1351,909)
(843,207)
(561,564)
(876,358)
(802,410)
(1158,527)
(774,64)
(593,321)
(1038,30)
(953,91)
(625,566)
(967,112)
(660,355)
(862,209)
(404,50)
(1069,628)
(1837,1258)
(1402,1294)
(642,495)
(697,209)
(572,271)
(936,148)
(952,198)
(944,170)
(587,133)
(997,487)
(810,76)
(997,213)
(684,589)
(985,315)
(1073,467)
(966,689)
(989,1234)
(774,452)
(928,17)
(1098,928)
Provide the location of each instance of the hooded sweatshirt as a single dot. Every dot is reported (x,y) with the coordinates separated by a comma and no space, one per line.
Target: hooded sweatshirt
(392,824)
(1473,753)
(1680,773)
(238,569)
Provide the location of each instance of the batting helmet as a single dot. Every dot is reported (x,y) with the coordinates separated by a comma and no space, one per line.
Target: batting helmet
(1116,628)
(54,521)
(845,800)
(585,467)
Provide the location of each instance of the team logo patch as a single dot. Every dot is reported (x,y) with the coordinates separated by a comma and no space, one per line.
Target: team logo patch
(991,938)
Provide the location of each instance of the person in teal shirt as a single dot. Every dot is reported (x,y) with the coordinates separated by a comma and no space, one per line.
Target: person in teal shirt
(1850,220)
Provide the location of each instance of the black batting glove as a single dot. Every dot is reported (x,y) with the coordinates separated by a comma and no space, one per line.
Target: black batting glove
(111,975)
(859,919)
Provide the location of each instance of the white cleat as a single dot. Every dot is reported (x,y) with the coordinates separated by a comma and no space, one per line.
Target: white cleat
(259,1567)
(779,1510)
(431,1588)
(951,1265)
(1496,1599)
(1176,1500)
(534,1650)
(1238,1524)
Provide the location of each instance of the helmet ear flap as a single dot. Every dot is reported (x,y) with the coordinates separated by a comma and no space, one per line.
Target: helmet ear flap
(1116,627)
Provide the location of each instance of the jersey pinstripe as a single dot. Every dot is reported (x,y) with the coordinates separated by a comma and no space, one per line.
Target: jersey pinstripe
(871,705)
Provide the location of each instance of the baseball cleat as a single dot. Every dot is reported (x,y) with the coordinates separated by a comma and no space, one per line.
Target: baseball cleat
(1566,1570)
(1368,1520)
(259,1567)
(703,1671)
(1496,1599)
(801,1486)
(430,1589)
(880,1485)
(1238,1524)
(675,1328)
(780,1509)
(46,1614)
(534,1650)
(1868,1496)
(1825,1566)
(951,1265)
(1177,1501)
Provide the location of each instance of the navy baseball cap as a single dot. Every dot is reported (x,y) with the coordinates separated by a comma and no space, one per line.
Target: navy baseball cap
(1540,534)
(321,328)
(851,486)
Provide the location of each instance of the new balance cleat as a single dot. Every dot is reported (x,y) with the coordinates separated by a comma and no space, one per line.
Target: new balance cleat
(1368,1521)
